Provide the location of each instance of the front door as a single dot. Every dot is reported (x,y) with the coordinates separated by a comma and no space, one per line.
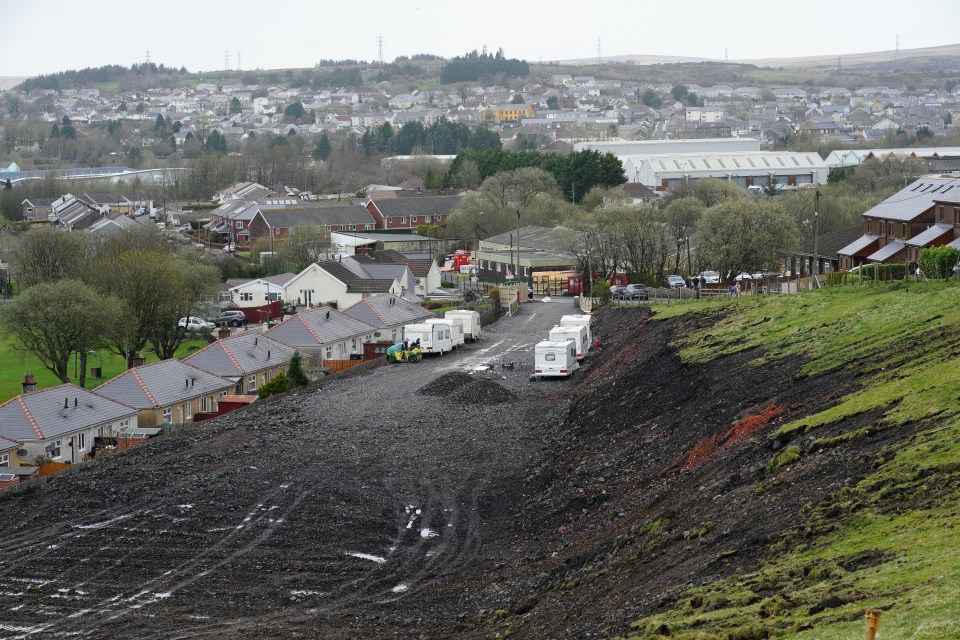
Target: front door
(307,296)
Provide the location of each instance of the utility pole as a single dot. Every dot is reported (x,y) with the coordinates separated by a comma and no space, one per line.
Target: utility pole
(380,48)
(816,234)
(238,60)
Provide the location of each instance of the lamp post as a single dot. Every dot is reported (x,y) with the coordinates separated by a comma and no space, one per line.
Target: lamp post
(816,235)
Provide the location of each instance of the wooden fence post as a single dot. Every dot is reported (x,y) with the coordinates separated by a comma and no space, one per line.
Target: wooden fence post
(872,622)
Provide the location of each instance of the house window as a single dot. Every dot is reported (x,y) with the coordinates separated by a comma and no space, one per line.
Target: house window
(905,233)
(252,383)
(4,459)
(81,441)
(189,409)
(353,345)
(526,272)
(329,353)
(239,225)
(403,220)
(167,414)
(53,449)
(956,215)
(246,296)
(123,424)
(272,297)
(498,267)
(206,404)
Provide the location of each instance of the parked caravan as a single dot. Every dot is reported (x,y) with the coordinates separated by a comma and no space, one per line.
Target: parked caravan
(555,358)
(471,322)
(434,338)
(577,334)
(456,329)
(578,320)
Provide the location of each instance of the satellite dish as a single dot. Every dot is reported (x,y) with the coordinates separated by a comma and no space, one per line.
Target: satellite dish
(376,334)
(22,453)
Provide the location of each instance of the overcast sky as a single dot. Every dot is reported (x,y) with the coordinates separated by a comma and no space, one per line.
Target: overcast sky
(56,35)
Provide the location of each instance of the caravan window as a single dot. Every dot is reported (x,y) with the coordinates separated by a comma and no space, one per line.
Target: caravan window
(550,357)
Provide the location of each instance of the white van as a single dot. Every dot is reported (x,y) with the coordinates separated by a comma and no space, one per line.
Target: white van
(471,322)
(577,334)
(555,358)
(456,329)
(578,321)
(434,338)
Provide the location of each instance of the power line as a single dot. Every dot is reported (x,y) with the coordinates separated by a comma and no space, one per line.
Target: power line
(238,59)
(226,60)
(599,52)
(380,47)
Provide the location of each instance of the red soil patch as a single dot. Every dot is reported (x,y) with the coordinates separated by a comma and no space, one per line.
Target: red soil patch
(745,429)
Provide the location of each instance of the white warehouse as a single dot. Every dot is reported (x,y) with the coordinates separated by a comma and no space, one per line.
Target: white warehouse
(665,172)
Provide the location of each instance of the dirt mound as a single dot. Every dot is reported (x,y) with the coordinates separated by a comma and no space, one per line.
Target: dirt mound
(482,391)
(446,384)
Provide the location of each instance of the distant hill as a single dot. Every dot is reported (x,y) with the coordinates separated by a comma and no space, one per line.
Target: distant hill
(829,60)
(8,82)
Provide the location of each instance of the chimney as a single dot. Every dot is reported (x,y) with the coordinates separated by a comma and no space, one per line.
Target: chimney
(74,403)
(186,383)
(255,341)
(268,354)
(29,385)
(66,403)
(328,315)
(193,382)
(224,332)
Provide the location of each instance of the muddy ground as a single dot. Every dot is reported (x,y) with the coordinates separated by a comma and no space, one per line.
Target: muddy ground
(366,509)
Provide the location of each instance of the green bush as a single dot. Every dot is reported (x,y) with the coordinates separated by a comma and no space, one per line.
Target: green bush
(601,290)
(279,384)
(785,457)
(446,284)
(938,262)
(295,372)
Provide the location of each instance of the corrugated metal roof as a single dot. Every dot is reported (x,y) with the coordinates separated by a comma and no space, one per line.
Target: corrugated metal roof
(926,237)
(734,163)
(58,410)
(161,384)
(910,202)
(858,245)
(888,251)
(240,355)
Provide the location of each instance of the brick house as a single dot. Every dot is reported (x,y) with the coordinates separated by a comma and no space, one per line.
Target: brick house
(279,222)
(923,214)
(409,212)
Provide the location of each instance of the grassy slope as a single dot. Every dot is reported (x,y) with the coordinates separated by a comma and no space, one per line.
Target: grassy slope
(13,364)
(888,542)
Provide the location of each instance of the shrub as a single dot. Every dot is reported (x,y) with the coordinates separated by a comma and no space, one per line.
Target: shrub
(279,384)
(601,290)
(938,262)
(446,284)
(295,372)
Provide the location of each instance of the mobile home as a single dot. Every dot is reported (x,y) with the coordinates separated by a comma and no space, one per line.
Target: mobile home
(434,338)
(555,358)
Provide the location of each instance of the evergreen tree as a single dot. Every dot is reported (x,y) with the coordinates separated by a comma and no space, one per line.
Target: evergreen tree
(235,106)
(295,372)
(322,150)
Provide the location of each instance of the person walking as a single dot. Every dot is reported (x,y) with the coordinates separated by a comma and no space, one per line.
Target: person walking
(731,291)
(736,289)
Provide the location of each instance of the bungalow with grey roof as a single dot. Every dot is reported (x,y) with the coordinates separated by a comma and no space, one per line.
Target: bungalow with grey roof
(324,332)
(410,212)
(249,360)
(388,314)
(341,285)
(61,422)
(166,392)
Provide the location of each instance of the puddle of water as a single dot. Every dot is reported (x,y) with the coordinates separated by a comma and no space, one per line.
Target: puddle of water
(367,556)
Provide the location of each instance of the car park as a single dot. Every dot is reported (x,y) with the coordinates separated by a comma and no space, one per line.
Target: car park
(674,282)
(234,318)
(634,292)
(193,323)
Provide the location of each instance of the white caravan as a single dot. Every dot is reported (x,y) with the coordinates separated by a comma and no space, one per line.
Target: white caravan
(577,321)
(434,338)
(577,334)
(456,329)
(471,322)
(555,358)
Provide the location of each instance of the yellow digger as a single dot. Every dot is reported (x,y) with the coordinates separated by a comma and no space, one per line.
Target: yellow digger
(402,352)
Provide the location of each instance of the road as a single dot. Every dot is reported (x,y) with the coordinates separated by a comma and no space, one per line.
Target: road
(325,513)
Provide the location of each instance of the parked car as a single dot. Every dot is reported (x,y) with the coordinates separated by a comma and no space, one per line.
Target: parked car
(743,275)
(674,282)
(763,275)
(635,292)
(709,277)
(616,291)
(234,318)
(192,323)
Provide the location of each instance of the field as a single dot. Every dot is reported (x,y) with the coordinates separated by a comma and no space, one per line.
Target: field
(14,363)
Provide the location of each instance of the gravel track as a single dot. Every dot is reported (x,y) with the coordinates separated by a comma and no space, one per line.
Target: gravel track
(324,514)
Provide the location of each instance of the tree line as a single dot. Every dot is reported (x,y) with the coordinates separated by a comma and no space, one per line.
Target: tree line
(473,66)
(80,78)
(441,137)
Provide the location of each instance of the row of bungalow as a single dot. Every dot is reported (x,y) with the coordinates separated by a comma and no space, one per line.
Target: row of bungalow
(67,424)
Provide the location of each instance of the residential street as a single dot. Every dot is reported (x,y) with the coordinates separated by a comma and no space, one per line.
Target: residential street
(320,514)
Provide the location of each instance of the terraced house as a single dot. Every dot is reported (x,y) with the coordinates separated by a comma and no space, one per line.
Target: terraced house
(923,214)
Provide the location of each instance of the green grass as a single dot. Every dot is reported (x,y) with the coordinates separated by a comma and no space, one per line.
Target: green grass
(14,363)
(901,343)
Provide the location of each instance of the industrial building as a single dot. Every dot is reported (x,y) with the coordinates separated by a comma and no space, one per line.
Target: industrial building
(665,172)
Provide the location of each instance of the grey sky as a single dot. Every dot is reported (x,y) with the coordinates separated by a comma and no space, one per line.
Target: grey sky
(55,35)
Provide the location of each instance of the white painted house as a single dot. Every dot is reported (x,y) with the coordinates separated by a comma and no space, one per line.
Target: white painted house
(330,281)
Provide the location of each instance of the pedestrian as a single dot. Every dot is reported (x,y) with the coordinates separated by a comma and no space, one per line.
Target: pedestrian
(736,289)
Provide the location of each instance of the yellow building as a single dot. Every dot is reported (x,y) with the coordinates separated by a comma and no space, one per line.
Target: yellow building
(507,113)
